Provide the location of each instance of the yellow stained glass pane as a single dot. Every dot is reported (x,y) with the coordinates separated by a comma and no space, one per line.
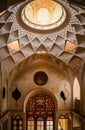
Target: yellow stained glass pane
(14,122)
(32,127)
(20,122)
(32,122)
(28,128)
(14,127)
(29,122)
(20,127)
(38,122)
(42,122)
(42,127)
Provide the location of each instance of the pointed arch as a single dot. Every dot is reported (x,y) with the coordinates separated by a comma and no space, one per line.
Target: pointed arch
(76,89)
(40,90)
(41,105)
(76,94)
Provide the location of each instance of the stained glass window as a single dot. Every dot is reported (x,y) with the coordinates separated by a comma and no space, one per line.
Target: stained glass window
(41,109)
(30,123)
(49,123)
(40,123)
(17,122)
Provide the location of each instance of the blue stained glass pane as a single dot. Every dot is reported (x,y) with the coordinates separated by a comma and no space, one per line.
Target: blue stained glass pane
(40,118)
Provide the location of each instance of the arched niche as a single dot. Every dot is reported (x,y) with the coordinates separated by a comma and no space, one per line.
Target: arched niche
(40,106)
(76,94)
(64,121)
(17,122)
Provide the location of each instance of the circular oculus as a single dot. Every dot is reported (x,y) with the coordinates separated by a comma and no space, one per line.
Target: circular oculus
(43,16)
(40,78)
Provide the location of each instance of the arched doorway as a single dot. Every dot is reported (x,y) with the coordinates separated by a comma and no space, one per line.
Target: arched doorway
(41,112)
(64,122)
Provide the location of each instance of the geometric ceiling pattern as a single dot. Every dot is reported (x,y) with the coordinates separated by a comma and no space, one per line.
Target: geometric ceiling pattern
(18,42)
(70,46)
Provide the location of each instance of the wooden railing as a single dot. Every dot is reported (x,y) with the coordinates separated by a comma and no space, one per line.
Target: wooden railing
(4,121)
(5,116)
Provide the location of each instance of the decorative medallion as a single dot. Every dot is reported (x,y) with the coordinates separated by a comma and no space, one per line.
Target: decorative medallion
(40,78)
(43,14)
(16,94)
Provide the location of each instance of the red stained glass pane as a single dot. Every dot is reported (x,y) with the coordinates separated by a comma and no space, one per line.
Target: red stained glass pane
(40,104)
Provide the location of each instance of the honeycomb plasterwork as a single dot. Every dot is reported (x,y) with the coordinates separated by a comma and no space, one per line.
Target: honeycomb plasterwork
(53,42)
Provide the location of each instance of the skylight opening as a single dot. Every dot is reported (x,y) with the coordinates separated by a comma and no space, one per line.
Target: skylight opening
(43,14)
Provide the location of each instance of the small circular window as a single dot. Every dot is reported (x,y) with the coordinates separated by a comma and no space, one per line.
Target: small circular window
(43,14)
(40,78)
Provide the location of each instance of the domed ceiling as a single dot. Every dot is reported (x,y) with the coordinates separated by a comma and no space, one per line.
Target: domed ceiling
(43,15)
(18,40)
